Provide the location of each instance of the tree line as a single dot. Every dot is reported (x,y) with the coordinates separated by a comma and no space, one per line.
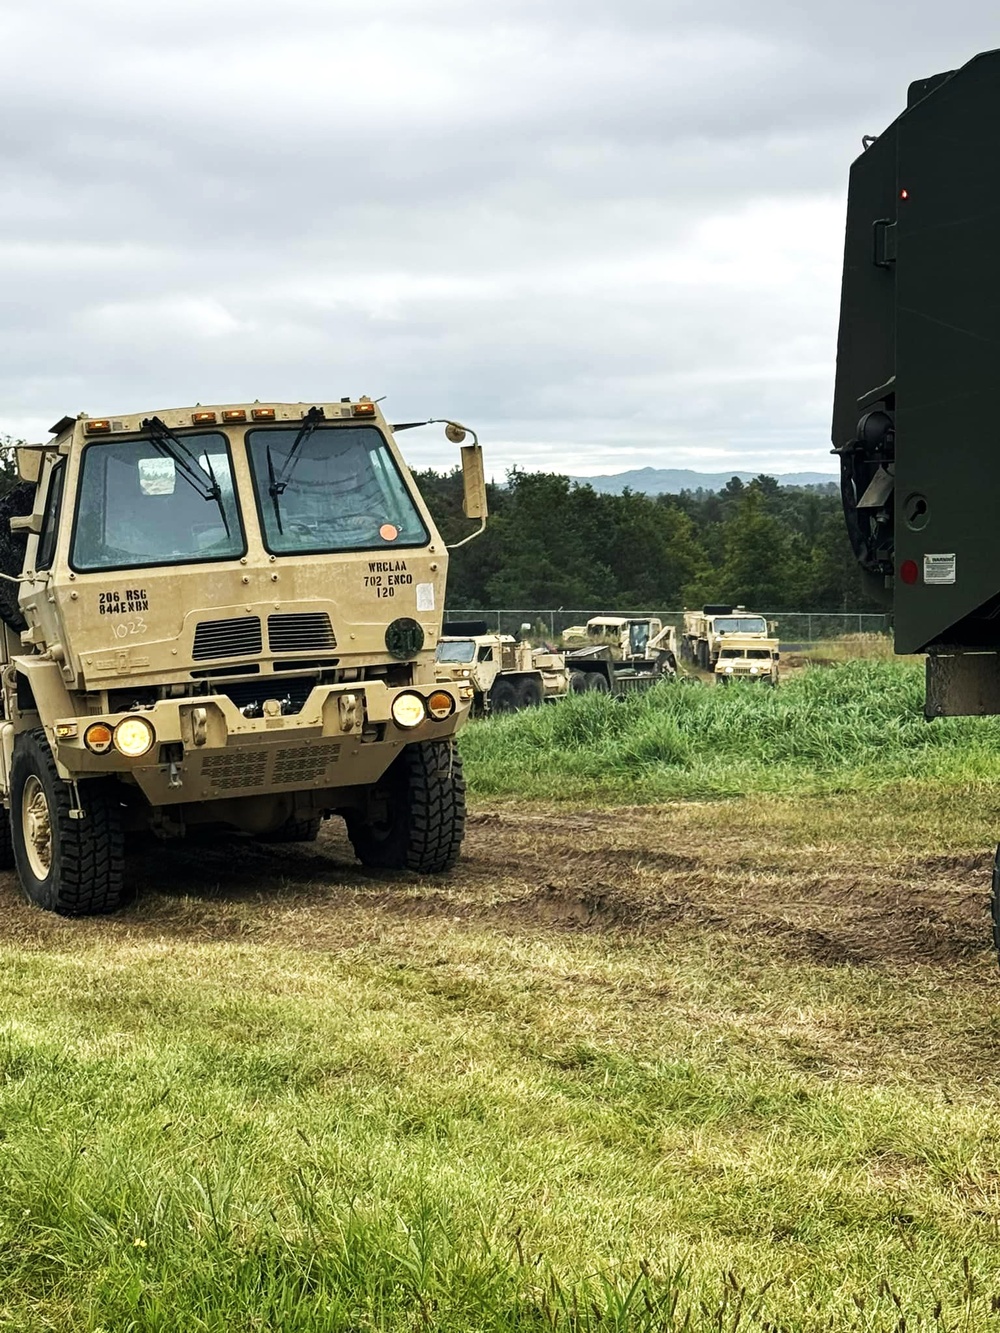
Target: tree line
(553,542)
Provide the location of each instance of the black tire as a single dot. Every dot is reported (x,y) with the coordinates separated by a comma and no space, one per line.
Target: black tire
(503,697)
(294,830)
(598,683)
(18,502)
(6,841)
(577,682)
(530,693)
(85,857)
(416,819)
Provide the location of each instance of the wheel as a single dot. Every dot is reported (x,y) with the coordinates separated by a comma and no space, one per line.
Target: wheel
(530,693)
(71,866)
(294,830)
(415,818)
(577,682)
(597,683)
(503,697)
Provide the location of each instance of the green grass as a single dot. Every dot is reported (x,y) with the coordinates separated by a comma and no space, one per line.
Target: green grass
(356,1105)
(842,728)
(228,1138)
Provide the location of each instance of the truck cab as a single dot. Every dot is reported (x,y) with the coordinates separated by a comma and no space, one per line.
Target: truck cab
(225,615)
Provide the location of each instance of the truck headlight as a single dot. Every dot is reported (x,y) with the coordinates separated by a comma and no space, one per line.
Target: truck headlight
(753,671)
(134,737)
(408,710)
(729,671)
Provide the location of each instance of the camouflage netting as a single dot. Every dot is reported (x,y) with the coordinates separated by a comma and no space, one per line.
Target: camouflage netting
(16,503)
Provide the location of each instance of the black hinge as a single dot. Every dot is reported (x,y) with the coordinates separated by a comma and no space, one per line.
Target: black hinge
(883,242)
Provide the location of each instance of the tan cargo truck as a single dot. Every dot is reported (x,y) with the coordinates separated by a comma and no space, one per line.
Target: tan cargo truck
(505,674)
(704,631)
(224,616)
(745,657)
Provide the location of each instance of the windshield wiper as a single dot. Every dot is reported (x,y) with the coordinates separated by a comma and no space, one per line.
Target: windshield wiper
(187,464)
(277,483)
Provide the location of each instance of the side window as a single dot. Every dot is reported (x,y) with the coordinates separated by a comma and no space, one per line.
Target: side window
(485,655)
(50,523)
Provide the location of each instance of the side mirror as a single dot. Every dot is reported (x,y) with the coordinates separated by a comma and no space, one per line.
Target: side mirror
(29,461)
(474,503)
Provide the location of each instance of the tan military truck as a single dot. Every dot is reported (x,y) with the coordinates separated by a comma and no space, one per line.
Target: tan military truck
(745,657)
(224,616)
(704,631)
(505,673)
(620,653)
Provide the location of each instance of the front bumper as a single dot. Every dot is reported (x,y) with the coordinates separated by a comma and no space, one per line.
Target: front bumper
(205,749)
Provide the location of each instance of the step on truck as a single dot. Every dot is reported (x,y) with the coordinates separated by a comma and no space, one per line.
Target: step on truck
(621,653)
(223,617)
(704,631)
(506,674)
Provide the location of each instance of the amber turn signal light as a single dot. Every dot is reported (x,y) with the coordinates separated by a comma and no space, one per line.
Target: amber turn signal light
(99,426)
(98,738)
(203,418)
(263,414)
(363,410)
(440,705)
(235,414)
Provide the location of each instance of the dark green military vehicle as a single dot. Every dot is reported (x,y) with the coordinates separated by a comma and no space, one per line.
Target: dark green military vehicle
(916,419)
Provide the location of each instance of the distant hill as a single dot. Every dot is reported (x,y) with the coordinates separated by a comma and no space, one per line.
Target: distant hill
(673,480)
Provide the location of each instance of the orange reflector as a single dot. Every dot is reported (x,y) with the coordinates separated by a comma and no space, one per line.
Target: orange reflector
(203,418)
(99,426)
(440,705)
(98,738)
(235,414)
(363,410)
(263,414)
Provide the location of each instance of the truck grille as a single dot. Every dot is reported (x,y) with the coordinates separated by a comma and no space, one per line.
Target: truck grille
(292,692)
(227,638)
(303,764)
(303,632)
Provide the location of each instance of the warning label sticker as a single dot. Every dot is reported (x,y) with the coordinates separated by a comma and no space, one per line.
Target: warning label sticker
(939,569)
(425,596)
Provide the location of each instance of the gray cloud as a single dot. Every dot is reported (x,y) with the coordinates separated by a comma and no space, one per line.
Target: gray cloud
(606,234)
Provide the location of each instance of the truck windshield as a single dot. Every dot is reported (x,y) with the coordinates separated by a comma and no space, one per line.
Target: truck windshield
(739,625)
(338,490)
(463,650)
(137,507)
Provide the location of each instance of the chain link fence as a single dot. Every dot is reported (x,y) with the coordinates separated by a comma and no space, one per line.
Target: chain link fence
(793,627)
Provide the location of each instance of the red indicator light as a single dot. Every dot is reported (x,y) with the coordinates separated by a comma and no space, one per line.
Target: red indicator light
(908,571)
(904,194)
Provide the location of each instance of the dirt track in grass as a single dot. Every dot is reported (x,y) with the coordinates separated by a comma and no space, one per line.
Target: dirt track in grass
(813,879)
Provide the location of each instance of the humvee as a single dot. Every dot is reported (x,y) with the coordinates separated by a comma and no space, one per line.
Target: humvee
(747,657)
(224,616)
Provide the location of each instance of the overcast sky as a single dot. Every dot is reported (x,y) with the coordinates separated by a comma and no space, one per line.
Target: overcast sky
(606,233)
